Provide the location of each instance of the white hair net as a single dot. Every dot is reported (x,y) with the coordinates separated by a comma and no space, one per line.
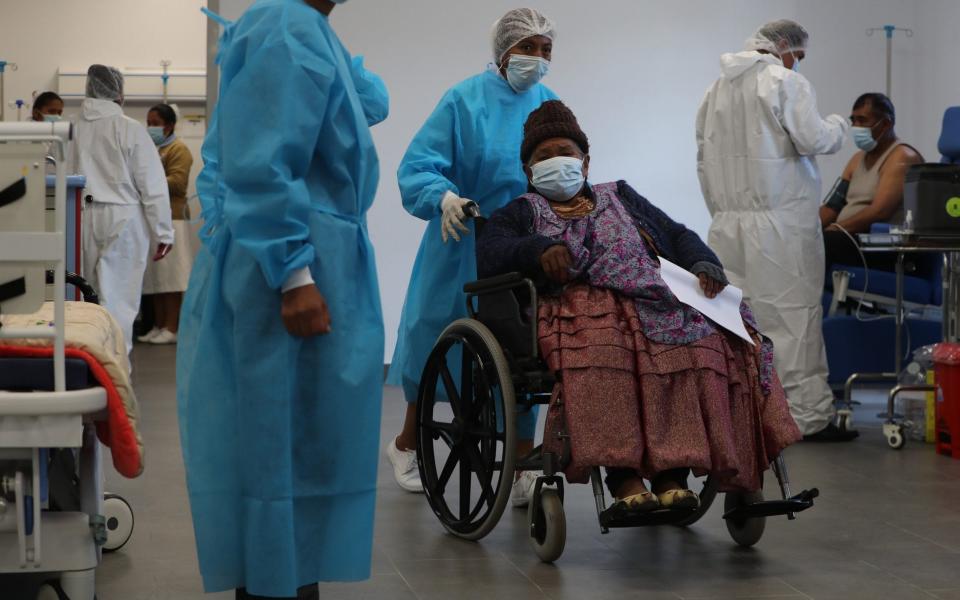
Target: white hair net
(519,24)
(779,37)
(104,82)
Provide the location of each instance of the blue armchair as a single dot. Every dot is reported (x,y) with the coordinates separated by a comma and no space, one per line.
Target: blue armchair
(949,144)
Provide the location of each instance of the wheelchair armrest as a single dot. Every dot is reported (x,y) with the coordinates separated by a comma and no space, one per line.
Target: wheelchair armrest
(482,285)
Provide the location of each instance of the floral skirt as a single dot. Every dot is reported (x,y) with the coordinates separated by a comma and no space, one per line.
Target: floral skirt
(626,401)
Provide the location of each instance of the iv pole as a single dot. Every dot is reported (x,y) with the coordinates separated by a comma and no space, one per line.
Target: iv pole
(3,66)
(889,29)
(165,77)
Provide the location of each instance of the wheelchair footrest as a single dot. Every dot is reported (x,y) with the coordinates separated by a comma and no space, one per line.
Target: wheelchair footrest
(774,508)
(618,516)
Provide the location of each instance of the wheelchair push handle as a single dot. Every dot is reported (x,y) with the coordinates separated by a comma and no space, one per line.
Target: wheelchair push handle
(471,210)
(86,290)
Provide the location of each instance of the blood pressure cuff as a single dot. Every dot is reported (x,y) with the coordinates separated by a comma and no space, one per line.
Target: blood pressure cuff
(837,198)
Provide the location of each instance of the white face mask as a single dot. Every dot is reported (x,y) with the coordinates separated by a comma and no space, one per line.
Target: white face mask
(524,72)
(558,178)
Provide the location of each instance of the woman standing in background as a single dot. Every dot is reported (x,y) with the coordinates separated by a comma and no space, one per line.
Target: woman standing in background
(47,107)
(165,281)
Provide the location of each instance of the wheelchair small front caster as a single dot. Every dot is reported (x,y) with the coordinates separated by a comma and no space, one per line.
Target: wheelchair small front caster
(895,435)
(845,419)
(548,526)
(745,532)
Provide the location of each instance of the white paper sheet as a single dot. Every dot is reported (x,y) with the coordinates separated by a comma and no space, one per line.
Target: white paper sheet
(724,310)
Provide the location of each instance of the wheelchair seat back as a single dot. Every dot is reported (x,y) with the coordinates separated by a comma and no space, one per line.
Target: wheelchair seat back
(505,304)
(509,320)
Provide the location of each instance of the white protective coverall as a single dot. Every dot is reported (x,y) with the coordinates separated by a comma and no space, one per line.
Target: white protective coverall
(758,132)
(127,206)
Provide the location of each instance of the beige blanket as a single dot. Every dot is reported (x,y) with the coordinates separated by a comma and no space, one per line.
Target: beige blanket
(92,330)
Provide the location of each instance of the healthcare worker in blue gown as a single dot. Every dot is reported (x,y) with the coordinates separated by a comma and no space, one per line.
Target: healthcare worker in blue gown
(280,364)
(468,150)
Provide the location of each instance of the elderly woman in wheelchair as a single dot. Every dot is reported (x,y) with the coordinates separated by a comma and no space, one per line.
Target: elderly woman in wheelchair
(637,382)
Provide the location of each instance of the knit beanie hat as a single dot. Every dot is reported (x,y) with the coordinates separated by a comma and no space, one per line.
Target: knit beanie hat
(552,120)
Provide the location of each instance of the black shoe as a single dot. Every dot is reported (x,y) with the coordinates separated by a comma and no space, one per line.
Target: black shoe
(307,592)
(832,433)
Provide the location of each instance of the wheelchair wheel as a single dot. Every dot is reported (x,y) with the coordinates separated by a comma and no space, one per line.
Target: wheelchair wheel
(745,532)
(707,496)
(119,517)
(473,443)
(548,529)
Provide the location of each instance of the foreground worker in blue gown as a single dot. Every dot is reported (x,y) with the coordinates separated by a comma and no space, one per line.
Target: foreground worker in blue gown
(280,364)
(468,150)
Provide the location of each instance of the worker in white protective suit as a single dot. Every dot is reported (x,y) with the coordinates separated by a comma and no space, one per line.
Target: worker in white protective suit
(127,207)
(758,133)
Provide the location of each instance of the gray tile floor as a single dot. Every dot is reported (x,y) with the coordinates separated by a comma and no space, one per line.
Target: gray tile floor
(887,525)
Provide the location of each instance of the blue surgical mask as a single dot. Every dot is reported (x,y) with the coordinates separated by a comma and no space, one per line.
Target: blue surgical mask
(52,118)
(524,72)
(156,134)
(863,138)
(558,178)
(796,62)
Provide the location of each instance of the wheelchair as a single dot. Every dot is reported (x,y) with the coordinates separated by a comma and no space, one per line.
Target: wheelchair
(495,353)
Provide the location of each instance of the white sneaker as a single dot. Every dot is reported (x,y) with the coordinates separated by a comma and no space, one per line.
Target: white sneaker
(149,335)
(523,488)
(405,469)
(164,337)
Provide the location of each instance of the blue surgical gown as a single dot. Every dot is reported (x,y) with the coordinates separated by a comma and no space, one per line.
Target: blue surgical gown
(280,434)
(470,145)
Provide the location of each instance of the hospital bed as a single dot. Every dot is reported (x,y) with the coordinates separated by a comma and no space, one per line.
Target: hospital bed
(53,399)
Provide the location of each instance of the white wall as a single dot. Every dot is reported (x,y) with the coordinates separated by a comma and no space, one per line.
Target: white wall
(938,70)
(42,36)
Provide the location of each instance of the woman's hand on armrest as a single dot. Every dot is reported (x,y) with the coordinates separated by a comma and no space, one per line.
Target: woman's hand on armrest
(556,262)
(710,286)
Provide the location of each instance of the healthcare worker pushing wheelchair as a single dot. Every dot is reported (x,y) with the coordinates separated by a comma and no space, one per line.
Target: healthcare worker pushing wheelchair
(758,134)
(467,151)
(280,362)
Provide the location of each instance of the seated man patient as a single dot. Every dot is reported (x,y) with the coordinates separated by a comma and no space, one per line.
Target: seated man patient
(871,187)
(650,387)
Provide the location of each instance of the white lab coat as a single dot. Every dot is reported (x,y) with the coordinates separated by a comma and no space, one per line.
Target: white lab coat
(128,207)
(758,132)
